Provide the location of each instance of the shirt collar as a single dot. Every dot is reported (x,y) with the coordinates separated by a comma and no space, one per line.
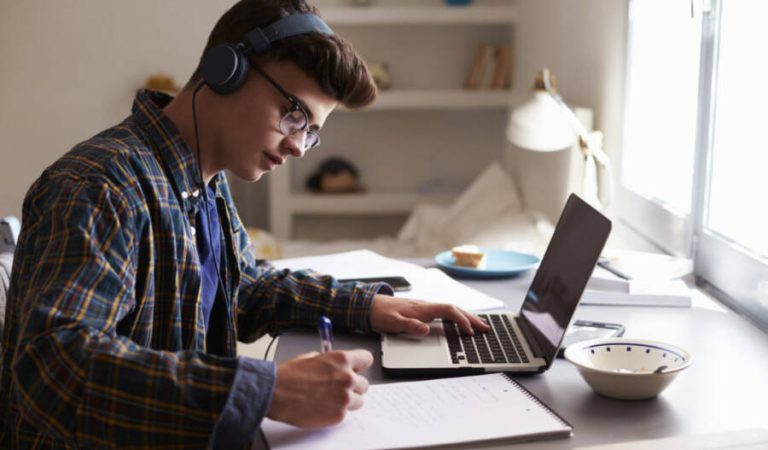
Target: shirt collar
(171,147)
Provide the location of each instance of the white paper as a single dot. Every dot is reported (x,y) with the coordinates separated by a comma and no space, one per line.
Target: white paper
(425,413)
(603,280)
(354,264)
(643,293)
(431,285)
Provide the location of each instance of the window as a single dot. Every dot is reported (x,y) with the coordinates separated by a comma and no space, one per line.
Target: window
(661,102)
(739,153)
(694,161)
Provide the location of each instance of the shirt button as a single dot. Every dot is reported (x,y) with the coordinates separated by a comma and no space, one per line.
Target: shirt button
(192,229)
(196,193)
(185,195)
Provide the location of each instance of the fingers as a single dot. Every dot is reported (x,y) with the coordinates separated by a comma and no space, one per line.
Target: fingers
(316,390)
(359,360)
(478,323)
(458,316)
(466,321)
(355,402)
(361,385)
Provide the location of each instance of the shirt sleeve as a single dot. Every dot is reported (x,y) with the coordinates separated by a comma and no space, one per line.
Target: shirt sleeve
(248,403)
(270,299)
(78,380)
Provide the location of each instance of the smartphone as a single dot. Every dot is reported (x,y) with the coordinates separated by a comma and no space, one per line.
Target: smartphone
(399,284)
(582,330)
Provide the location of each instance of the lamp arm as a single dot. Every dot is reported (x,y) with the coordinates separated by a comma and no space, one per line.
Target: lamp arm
(579,127)
(594,151)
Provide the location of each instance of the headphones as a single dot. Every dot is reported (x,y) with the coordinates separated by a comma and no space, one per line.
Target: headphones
(225,67)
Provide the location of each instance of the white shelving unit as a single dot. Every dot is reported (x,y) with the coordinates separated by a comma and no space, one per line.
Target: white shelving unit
(419,15)
(442,99)
(426,128)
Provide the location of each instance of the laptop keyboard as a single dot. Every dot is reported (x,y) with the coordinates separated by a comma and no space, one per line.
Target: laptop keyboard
(498,346)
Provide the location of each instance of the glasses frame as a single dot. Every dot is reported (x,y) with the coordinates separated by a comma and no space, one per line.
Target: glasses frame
(295,106)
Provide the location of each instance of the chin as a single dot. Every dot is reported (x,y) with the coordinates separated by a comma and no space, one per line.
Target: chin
(254,176)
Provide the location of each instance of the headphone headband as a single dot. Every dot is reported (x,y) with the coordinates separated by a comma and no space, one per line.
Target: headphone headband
(260,39)
(225,67)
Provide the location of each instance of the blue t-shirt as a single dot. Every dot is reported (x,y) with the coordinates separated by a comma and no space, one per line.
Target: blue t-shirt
(209,249)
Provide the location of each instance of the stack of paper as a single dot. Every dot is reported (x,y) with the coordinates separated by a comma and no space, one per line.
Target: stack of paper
(431,285)
(642,293)
(644,265)
(603,280)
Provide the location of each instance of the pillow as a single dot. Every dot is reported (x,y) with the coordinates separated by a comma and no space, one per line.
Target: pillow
(6,260)
(424,225)
(490,195)
(9,233)
(265,245)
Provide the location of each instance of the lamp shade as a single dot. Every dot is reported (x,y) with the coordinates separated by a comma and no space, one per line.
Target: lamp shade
(541,125)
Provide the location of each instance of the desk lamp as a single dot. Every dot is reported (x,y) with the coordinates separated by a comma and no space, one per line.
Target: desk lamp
(545,123)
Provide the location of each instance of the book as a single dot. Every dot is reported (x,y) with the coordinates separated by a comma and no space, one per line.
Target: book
(502,70)
(428,413)
(642,293)
(477,71)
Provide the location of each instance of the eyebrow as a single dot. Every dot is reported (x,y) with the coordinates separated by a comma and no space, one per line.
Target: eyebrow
(306,108)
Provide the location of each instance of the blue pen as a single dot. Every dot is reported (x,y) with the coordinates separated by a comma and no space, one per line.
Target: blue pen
(325,330)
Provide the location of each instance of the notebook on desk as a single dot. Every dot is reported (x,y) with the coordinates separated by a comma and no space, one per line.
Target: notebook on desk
(519,342)
(458,410)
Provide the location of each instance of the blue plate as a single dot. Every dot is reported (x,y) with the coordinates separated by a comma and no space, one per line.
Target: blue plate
(498,263)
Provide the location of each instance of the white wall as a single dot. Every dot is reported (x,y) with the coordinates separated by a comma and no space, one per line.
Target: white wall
(70,68)
(582,42)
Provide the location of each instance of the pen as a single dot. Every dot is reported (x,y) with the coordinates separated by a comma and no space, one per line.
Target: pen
(325,330)
(605,263)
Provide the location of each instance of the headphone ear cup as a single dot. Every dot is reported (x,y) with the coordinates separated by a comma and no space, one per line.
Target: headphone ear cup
(224,68)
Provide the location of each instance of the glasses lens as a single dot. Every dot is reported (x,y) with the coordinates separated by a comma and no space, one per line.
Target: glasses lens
(312,140)
(293,122)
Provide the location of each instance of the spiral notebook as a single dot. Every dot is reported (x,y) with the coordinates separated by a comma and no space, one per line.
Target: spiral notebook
(429,413)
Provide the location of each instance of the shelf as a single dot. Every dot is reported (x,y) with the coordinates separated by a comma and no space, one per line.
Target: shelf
(429,47)
(366,203)
(457,99)
(425,15)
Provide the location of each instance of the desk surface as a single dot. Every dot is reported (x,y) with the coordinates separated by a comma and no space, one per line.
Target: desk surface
(725,388)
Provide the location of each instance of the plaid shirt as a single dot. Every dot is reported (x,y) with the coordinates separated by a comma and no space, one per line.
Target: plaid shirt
(105,344)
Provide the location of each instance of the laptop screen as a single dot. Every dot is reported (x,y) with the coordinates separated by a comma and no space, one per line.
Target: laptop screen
(568,263)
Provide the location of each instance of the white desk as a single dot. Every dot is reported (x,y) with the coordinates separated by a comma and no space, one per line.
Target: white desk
(725,389)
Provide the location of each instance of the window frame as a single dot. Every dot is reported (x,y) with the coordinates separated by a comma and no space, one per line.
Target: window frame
(731,273)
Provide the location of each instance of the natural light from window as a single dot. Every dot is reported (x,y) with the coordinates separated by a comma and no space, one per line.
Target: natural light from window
(740,155)
(660,115)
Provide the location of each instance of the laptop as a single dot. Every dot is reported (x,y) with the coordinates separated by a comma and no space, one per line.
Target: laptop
(526,341)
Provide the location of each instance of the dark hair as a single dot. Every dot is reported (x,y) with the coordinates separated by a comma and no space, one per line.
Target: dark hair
(330,60)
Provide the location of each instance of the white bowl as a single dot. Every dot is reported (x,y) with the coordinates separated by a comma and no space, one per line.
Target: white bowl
(624,368)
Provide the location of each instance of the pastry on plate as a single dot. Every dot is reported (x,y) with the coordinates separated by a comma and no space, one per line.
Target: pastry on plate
(468,256)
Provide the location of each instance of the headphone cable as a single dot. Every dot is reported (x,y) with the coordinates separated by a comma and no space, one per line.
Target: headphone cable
(204,188)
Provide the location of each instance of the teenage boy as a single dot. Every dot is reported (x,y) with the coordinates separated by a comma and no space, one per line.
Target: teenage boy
(134,277)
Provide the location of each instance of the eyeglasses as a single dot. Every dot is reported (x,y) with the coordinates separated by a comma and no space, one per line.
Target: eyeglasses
(296,120)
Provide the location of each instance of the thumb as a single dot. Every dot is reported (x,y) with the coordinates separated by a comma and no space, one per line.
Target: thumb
(307,355)
(416,326)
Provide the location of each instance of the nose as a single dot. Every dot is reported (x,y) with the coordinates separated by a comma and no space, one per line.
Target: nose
(295,144)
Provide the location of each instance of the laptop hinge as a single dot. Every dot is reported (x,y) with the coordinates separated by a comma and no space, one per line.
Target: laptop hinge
(532,342)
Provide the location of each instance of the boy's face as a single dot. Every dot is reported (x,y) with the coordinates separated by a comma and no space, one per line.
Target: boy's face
(248,140)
